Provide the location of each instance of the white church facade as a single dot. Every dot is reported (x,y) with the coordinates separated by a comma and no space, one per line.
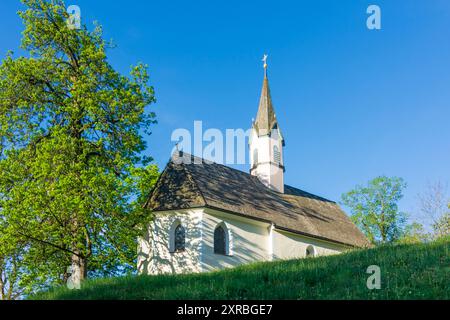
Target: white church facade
(209,216)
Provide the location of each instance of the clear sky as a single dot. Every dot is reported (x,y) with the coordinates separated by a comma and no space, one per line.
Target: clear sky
(352,103)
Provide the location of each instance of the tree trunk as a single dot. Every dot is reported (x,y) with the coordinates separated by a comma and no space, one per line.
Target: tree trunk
(79,272)
(1,290)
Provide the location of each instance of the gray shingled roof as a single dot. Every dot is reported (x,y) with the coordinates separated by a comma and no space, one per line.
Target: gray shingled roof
(207,184)
(265,118)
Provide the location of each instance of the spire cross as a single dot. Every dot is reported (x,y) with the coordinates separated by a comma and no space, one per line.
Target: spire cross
(264,59)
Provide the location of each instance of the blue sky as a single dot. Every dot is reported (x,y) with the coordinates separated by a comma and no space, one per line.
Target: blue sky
(352,103)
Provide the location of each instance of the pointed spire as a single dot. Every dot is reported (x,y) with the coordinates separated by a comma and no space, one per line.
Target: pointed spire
(265,118)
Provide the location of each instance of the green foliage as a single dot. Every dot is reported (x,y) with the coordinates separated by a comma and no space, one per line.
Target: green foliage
(71,173)
(374,208)
(407,272)
(414,233)
(442,226)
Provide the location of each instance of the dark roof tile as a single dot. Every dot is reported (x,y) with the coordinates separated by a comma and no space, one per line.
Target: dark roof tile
(188,184)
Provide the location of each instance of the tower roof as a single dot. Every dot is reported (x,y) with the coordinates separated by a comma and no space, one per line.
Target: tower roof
(265,118)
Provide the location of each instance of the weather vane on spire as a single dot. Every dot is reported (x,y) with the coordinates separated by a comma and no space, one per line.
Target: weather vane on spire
(264,59)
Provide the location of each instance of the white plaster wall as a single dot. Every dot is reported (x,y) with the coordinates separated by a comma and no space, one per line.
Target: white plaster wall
(154,256)
(264,174)
(289,246)
(249,239)
(252,143)
(269,173)
(276,173)
(264,154)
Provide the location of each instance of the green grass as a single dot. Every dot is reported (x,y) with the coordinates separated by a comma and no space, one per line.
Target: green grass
(420,271)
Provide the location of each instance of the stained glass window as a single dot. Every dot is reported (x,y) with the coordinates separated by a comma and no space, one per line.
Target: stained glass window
(219,240)
(180,235)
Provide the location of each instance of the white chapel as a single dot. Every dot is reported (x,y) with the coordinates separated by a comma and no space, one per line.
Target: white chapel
(209,216)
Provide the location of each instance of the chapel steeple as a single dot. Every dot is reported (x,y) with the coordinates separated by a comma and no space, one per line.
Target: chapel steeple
(266,142)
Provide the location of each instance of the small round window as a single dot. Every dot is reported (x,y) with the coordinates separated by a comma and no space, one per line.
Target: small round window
(310,251)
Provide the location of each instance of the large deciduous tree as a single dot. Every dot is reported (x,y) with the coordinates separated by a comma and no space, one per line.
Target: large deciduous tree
(374,208)
(71,170)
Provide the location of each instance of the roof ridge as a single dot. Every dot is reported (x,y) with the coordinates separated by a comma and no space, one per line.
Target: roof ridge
(207,161)
(309,193)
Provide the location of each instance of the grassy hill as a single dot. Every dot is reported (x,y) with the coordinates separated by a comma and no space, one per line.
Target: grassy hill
(420,271)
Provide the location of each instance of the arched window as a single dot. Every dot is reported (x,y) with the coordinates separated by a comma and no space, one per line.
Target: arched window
(276,155)
(177,237)
(220,240)
(310,251)
(180,238)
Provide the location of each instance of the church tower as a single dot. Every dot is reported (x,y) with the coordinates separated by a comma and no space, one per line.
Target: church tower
(266,142)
